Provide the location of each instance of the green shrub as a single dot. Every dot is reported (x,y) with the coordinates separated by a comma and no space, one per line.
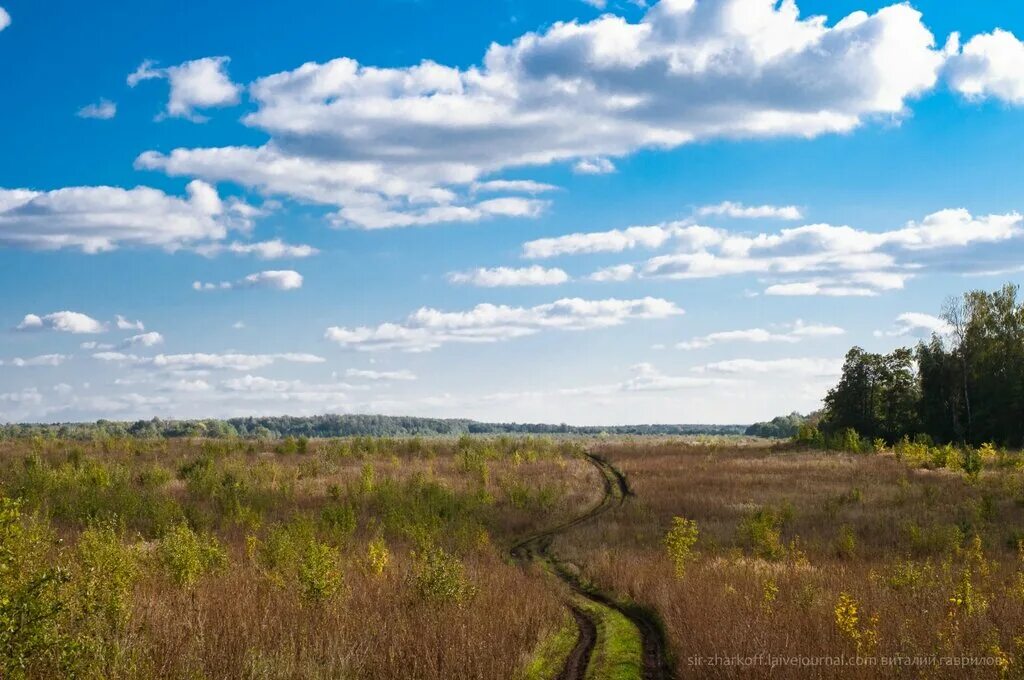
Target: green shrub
(319,576)
(679,542)
(971,462)
(186,556)
(339,520)
(761,532)
(103,577)
(30,597)
(441,577)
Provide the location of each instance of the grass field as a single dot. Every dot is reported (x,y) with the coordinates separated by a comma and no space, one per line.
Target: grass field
(374,558)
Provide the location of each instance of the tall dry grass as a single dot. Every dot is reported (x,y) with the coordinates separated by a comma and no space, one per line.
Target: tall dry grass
(927,559)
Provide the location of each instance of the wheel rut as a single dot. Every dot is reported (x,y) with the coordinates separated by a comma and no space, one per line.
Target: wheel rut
(537,548)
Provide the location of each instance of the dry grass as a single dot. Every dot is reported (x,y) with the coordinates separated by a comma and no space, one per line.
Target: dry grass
(898,541)
(469,499)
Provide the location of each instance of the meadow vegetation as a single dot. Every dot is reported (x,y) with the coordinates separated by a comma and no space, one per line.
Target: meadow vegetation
(749,553)
(382,558)
(231,558)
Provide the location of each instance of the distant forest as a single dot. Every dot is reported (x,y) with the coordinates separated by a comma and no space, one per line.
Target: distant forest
(780,427)
(280,427)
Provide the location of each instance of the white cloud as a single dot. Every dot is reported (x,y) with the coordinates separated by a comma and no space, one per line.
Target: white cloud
(427,329)
(526,186)
(619,240)
(206,361)
(41,360)
(834,260)
(5,19)
(619,272)
(30,396)
(365,193)
(800,367)
(104,109)
(98,219)
(818,288)
(273,279)
(98,346)
(150,339)
(380,375)
(505,276)
(740,211)
(198,84)
(647,378)
(124,324)
(593,166)
(990,65)
(916,325)
(65,322)
(399,146)
(275,249)
(791,333)
(597,4)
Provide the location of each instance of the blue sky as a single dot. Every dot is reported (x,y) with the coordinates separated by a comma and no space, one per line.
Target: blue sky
(514,210)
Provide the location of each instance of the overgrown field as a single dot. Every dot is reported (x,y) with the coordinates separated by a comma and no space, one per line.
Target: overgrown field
(377,558)
(854,565)
(364,558)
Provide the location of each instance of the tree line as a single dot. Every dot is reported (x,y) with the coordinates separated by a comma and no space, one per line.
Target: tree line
(963,385)
(331,425)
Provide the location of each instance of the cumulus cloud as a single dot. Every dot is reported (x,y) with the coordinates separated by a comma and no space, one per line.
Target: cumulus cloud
(275,249)
(151,339)
(619,240)
(427,328)
(104,109)
(273,279)
(526,186)
(791,333)
(815,259)
(647,378)
(398,146)
(506,276)
(197,84)
(916,325)
(380,375)
(124,324)
(5,19)
(65,322)
(593,166)
(740,211)
(41,360)
(619,272)
(806,367)
(98,219)
(990,65)
(206,361)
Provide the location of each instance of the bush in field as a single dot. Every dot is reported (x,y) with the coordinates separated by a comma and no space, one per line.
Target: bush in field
(378,556)
(679,542)
(186,555)
(319,576)
(864,634)
(971,461)
(846,542)
(103,576)
(30,596)
(291,556)
(339,520)
(441,577)
(761,532)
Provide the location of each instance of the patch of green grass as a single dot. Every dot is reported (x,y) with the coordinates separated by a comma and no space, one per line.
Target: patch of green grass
(618,654)
(549,657)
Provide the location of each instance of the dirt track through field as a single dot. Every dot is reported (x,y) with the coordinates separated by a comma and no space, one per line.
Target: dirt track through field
(538,548)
